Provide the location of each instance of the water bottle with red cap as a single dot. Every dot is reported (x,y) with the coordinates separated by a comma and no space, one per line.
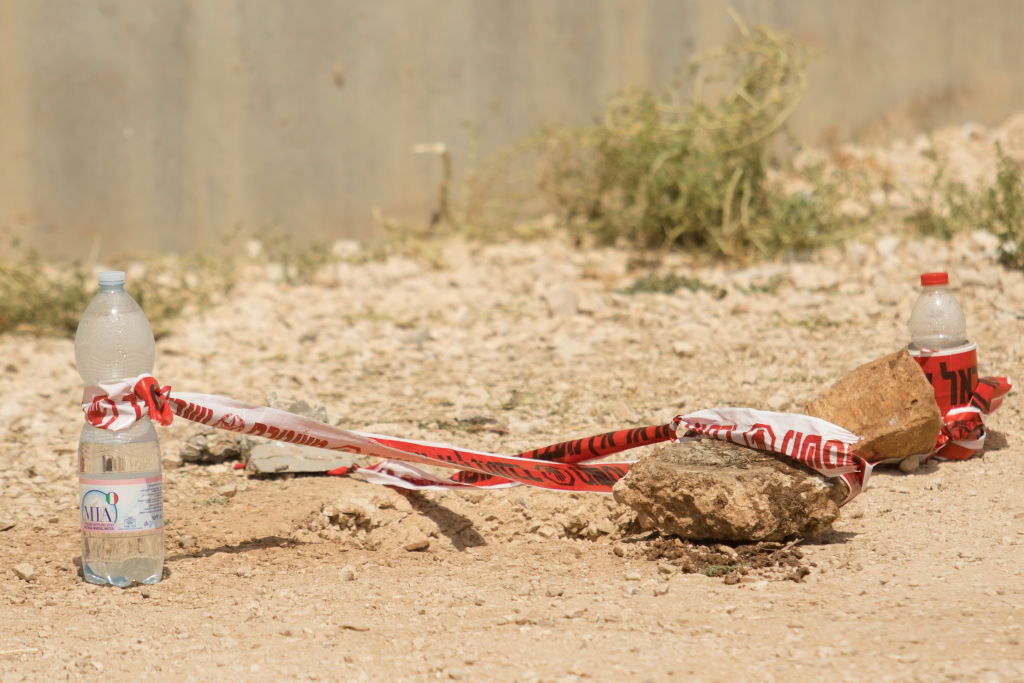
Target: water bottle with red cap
(937,321)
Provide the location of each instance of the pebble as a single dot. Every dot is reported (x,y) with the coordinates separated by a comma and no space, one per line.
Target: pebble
(417,543)
(684,349)
(228,490)
(25,571)
(562,301)
(851,208)
(911,463)
(886,246)
(347,573)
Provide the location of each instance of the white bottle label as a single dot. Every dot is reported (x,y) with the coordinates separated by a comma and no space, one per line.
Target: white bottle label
(121,505)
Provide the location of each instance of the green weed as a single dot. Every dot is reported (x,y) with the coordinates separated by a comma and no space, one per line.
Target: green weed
(45,298)
(950,207)
(660,171)
(1003,205)
(669,284)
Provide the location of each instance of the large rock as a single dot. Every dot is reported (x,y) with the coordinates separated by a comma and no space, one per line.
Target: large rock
(889,403)
(713,490)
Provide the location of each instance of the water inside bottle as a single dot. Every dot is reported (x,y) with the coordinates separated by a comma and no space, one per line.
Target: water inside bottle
(120,558)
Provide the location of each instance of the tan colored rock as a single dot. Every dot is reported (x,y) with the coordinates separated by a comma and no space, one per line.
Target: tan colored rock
(889,403)
(712,490)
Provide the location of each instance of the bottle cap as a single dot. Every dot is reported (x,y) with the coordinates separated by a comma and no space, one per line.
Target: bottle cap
(109,278)
(932,279)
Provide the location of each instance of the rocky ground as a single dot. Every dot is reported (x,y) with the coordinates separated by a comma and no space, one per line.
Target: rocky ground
(503,348)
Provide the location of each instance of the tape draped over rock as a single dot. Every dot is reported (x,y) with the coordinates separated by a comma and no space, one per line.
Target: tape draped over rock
(713,490)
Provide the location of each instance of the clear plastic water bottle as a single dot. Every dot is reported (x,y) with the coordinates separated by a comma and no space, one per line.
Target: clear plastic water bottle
(937,321)
(119,475)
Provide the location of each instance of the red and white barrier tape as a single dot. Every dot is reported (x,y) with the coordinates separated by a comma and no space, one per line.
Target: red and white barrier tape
(565,466)
(962,396)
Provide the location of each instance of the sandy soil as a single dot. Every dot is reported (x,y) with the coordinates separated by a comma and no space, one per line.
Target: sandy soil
(922,578)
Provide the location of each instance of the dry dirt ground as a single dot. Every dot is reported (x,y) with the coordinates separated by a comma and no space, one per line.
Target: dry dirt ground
(504,348)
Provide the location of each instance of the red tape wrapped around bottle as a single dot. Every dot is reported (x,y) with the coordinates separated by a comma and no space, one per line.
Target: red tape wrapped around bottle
(962,396)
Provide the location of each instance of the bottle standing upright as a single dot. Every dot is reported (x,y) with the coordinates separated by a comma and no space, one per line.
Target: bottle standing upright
(937,320)
(120,481)
(938,342)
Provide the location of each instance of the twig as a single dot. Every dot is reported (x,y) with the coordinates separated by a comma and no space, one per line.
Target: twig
(20,651)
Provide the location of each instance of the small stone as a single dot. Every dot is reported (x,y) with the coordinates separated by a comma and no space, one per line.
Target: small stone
(887,245)
(146,592)
(851,208)
(417,542)
(877,198)
(347,573)
(898,201)
(661,588)
(562,301)
(25,571)
(348,626)
(554,591)
(984,277)
(633,576)
(911,463)
(619,551)
(684,349)
(547,531)
(985,240)
(186,541)
(622,412)
(228,490)
(857,254)
(6,524)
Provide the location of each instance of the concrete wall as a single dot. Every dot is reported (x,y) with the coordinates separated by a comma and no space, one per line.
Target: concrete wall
(161,124)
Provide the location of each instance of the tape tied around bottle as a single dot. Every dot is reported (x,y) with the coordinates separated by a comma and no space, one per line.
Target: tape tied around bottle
(953,373)
(120,403)
(962,396)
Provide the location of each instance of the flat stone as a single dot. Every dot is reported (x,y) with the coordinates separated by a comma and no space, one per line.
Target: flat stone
(25,571)
(214,446)
(274,457)
(713,490)
(889,403)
